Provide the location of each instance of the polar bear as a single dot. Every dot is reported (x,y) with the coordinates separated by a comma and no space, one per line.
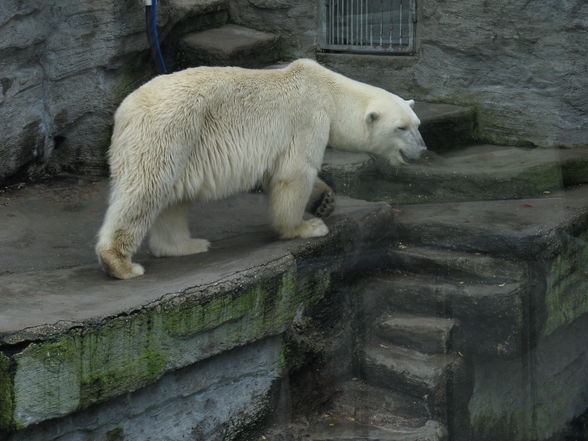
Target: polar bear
(209,132)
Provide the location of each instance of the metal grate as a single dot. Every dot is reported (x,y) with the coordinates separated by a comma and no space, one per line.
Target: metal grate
(380,26)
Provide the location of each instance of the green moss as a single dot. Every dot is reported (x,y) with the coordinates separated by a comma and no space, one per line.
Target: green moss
(123,354)
(6,394)
(566,287)
(116,434)
(111,381)
(198,315)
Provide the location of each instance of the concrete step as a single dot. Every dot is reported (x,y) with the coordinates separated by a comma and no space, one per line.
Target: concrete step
(445,126)
(189,16)
(416,332)
(489,316)
(363,412)
(479,172)
(513,229)
(454,265)
(335,430)
(229,45)
(420,375)
(367,404)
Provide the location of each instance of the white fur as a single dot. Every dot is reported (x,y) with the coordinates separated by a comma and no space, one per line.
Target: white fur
(207,133)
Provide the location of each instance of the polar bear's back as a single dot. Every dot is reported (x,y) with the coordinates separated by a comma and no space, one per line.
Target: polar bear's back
(223,128)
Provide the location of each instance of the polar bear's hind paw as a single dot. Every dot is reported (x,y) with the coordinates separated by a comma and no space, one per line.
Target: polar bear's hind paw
(119,266)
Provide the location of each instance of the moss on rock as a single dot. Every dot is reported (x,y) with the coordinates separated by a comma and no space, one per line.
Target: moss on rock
(6,394)
(122,354)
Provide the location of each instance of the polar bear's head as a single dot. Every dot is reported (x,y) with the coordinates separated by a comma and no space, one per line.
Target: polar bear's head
(393,129)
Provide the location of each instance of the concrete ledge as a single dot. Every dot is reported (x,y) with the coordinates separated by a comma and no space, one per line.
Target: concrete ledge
(474,173)
(73,337)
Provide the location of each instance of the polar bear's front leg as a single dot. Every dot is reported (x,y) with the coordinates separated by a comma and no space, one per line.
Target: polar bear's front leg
(170,235)
(288,197)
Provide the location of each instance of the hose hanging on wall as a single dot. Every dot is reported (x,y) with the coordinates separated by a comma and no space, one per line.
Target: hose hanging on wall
(151,25)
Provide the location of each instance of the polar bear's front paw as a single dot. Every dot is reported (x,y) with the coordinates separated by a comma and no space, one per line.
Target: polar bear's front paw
(307,228)
(325,205)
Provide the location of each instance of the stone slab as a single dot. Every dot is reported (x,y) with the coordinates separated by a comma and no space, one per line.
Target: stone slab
(479,172)
(361,411)
(416,332)
(229,45)
(475,306)
(455,265)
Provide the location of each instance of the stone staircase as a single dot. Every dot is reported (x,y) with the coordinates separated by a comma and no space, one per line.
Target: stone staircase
(206,37)
(469,173)
(454,287)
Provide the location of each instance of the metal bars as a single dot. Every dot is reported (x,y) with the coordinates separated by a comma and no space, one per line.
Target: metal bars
(380,26)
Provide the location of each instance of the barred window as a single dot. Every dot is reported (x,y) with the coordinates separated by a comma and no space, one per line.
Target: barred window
(376,26)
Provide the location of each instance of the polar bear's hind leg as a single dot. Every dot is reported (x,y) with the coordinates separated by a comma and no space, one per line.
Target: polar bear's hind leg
(123,229)
(170,234)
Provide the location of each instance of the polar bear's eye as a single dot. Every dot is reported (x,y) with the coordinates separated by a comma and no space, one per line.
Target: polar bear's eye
(403,128)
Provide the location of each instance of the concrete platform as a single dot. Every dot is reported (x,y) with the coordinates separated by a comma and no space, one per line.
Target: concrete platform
(110,337)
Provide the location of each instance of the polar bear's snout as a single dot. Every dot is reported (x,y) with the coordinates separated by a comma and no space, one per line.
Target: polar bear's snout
(413,146)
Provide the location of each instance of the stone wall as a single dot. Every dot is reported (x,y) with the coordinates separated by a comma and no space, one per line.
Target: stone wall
(520,64)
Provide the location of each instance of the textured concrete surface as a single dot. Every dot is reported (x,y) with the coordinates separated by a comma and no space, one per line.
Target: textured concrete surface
(529,397)
(49,235)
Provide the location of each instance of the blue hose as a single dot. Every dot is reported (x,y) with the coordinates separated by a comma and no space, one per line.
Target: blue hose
(151,24)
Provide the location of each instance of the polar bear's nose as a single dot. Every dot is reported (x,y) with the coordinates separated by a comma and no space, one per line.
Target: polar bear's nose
(419,141)
(415,146)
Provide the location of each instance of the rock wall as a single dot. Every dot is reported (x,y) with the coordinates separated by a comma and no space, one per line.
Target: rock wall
(213,400)
(64,68)
(62,74)
(520,64)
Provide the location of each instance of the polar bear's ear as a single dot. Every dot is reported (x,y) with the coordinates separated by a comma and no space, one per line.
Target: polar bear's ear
(372,116)
(410,103)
